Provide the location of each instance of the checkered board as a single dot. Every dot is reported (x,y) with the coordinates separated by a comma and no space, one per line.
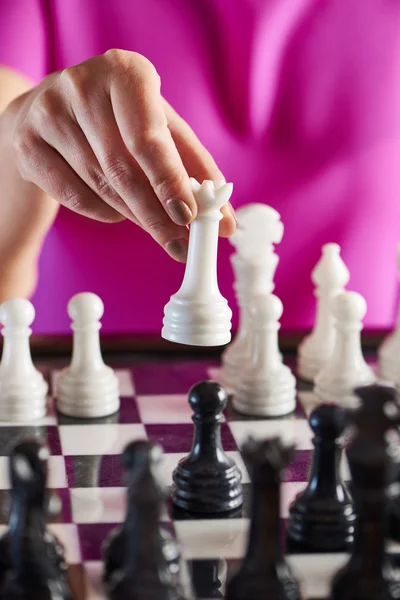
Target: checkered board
(85,472)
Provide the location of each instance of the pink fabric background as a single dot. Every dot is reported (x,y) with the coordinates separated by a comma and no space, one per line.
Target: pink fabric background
(298,100)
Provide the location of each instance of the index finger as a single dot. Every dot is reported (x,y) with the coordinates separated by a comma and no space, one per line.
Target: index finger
(140,116)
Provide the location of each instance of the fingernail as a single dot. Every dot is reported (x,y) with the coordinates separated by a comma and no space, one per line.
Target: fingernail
(233,214)
(177,249)
(178,211)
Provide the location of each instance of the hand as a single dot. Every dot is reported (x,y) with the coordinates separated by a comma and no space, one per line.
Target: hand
(101,140)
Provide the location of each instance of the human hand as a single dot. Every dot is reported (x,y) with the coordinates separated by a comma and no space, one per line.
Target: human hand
(100,139)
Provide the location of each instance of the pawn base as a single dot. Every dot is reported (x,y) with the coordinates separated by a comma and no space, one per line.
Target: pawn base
(91,395)
(274,396)
(320,526)
(195,323)
(23,401)
(310,360)
(207,491)
(340,390)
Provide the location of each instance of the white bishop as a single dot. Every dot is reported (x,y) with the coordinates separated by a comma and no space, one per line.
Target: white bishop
(330,276)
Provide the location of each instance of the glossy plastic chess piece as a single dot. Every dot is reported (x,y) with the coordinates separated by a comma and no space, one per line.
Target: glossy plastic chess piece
(264,572)
(267,387)
(321,518)
(23,390)
(32,560)
(141,559)
(346,369)
(87,388)
(389,350)
(369,574)
(207,480)
(330,276)
(254,265)
(197,314)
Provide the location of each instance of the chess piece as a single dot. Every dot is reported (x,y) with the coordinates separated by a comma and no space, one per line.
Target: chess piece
(206,578)
(389,350)
(254,265)
(368,575)
(267,387)
(32,562)
(207,480)
(330,277)
(141,560)
(87,388)
(197,314)
(346,369)
(23,390)
(321,519)
(264,573)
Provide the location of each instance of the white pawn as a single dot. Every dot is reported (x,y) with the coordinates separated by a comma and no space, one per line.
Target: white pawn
(198,315)
(346,368)
(23,390)
(267,387)
(330,277)
(87,388)
(254,265)
(389,350)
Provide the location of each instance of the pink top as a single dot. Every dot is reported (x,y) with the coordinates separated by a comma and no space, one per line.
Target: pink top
(299,102)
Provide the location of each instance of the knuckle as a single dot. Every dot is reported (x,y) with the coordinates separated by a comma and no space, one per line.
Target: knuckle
(155,225)
(168,184)
(126,60)
(102,185)
(76,79)
(118,173)
(24,144)
(147,143)
(45,109)
(73,200)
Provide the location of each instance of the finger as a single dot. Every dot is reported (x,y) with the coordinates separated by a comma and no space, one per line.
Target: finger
(198,162)
(41,164)
(66,137)
(140,117)
(127,178)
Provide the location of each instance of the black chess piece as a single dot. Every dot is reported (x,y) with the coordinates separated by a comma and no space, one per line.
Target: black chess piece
(141,559)
(264,572)
(321,518)
(206,578)
(32,559)
(370,574)
(207,480)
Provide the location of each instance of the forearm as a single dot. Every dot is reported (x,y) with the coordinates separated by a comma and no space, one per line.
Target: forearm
(26,212)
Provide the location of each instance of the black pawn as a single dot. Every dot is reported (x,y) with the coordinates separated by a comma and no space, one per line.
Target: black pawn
(32,564)
(141,559)
(207,480)
(321,518)
(369,574)
(264,573)
(206,578)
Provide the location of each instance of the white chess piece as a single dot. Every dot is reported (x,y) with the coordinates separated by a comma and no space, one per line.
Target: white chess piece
(23,390)
(87,388)
(330,277)
(198,315)
(389,350)
(346,369)
(254,266)
(267,388)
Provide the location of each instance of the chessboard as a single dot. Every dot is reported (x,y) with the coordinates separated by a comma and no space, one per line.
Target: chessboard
(86,475)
